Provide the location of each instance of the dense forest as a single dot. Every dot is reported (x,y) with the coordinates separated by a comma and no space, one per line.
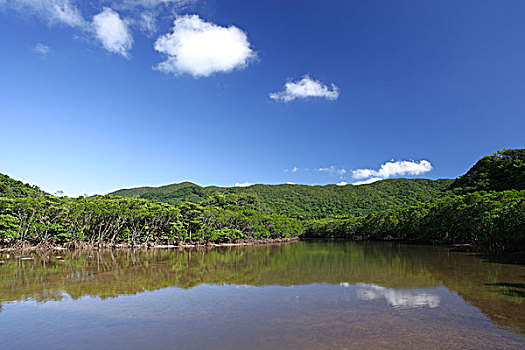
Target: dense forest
(485,207)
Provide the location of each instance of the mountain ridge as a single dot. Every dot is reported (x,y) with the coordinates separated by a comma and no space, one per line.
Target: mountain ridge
(306,200)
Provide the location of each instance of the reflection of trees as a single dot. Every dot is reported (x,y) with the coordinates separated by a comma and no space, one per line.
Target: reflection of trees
(111,273)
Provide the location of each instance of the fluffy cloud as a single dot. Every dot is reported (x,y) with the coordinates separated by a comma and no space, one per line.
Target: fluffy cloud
(392,168)
(342,183)
(243,184)
(202,48)
(305,88)
(42,49)
(50,11)
(113,32)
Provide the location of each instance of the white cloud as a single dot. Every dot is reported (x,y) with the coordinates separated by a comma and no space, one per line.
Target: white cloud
(305,88)
(291,183)
(362,173)
(202,48)
(243,184)
(368,181)
(342,183)
(147,23)
(113,32)
(107,26)
(42,49)
(293,170)
(152,3)
(333,170)
(51,11)
(392,168)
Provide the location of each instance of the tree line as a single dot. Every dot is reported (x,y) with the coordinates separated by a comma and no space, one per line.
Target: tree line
(107,219)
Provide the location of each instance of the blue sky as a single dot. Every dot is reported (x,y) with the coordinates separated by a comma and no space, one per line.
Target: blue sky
(103,95)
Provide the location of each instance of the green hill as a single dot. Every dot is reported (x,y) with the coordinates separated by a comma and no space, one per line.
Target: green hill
(504,170)
(17,189)
(308,201)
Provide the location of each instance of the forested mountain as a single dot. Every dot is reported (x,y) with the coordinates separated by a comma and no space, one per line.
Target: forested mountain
(504,170)
(308,201)
(485,208)
(17,189)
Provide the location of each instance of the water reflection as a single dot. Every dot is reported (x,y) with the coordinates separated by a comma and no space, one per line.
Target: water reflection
(397,298)
(404,276)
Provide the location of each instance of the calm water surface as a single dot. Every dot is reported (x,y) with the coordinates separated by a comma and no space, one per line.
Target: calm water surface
(301,295)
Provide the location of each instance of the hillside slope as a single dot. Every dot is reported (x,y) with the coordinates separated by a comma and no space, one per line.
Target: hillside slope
(17,189)
(501,171)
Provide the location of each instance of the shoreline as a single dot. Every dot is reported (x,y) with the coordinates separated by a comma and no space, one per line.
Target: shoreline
(26,246)
(19,247)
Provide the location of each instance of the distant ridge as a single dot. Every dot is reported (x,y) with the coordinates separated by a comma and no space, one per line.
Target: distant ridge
(305,200)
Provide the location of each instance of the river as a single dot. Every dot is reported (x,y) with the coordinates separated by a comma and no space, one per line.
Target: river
(316,295)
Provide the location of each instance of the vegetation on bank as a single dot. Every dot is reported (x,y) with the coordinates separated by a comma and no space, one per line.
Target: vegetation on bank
(108,219)
(485,207)
(494,221)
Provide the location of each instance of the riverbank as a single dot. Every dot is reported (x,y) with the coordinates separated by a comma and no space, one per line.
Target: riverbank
(26,246)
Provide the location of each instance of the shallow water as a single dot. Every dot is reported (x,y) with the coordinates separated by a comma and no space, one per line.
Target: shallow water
(300,295)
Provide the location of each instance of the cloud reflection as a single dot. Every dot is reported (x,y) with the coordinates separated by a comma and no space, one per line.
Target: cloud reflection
(394,297)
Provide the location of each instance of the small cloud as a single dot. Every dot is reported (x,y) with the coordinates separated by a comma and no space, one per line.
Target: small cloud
(202,48)
(42,49)
(368,181)
(342,183)
(333,170)
(305,88)
(113,32)
(243,184)
(291,183)
(392,168)
(293,170)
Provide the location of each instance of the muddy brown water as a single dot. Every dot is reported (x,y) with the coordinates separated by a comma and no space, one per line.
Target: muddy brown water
(313,295)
